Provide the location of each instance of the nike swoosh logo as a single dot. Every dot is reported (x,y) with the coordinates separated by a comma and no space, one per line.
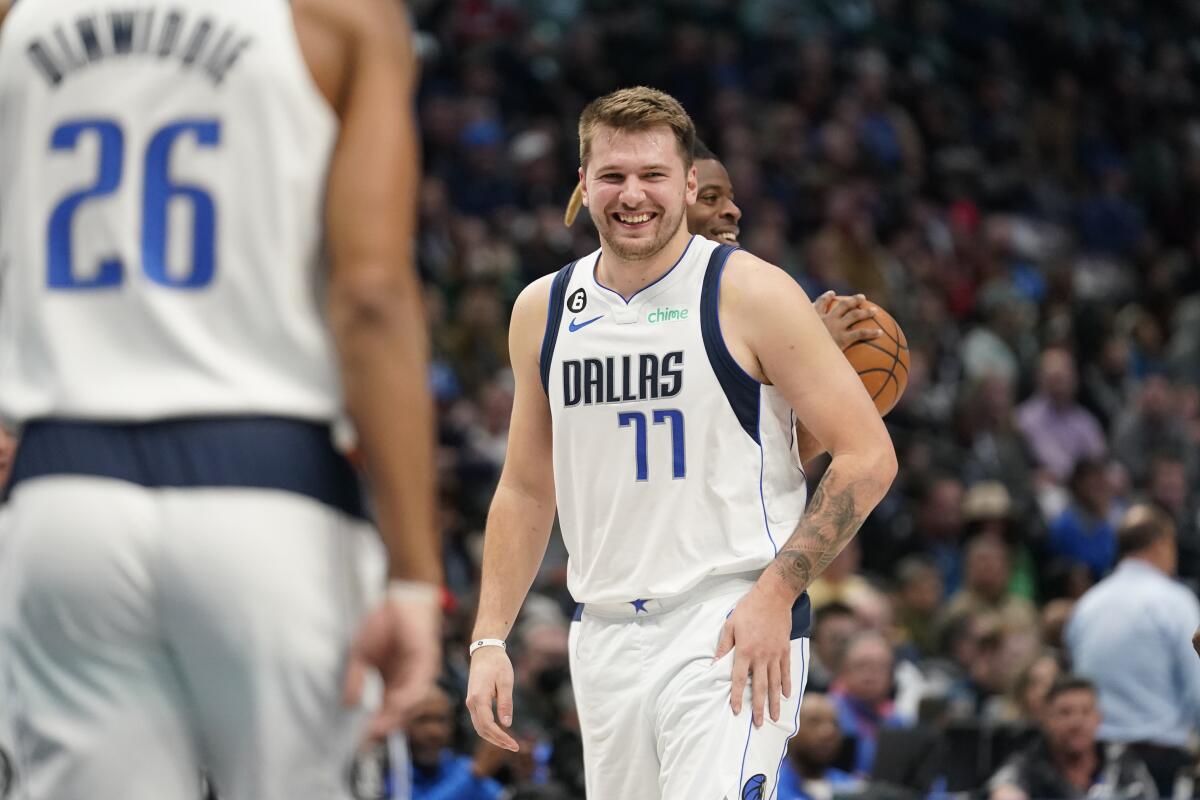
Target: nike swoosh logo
(574,327)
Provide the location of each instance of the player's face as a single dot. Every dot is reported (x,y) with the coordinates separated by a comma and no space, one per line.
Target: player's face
(637,189)
(714,215)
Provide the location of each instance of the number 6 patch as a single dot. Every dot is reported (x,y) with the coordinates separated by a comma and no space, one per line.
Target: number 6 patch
(577,301)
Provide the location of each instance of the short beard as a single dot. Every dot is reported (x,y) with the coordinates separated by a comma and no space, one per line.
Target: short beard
(644,249)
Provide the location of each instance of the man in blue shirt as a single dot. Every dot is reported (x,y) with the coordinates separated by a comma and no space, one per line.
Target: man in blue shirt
(440,773)
(1131,634)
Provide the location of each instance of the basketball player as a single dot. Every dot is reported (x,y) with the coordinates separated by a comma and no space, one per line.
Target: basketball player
(656,379)
(715,216)
(187,562)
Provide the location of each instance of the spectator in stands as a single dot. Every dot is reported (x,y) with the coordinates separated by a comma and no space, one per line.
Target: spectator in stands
(919,597)
(1167,487)
(1152,427)
(439,773)
(862,695)
(1067,762)
(1131,635)
(1027,697)
(833,626)
(1058,430)
(938,527)
(1086,530)
(808,773)
(987,575)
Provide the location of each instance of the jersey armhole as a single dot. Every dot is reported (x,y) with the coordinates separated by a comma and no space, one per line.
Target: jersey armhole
(741,390)
(554,313)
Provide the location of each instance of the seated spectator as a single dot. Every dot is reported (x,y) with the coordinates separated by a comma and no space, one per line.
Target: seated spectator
(834,625)
(1058,430)
(1086,531)
(987,576)
(1027,696)
(439,773)
(808,773)
(862,695)
(918,598)
(1067,761)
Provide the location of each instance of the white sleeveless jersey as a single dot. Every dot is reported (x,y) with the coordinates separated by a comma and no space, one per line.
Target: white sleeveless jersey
(670,462)
(161,187)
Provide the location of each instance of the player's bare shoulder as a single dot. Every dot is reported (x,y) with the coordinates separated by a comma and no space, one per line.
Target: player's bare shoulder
(528,324)
(748,279)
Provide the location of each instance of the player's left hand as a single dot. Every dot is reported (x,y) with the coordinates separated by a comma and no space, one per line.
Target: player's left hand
(759,633)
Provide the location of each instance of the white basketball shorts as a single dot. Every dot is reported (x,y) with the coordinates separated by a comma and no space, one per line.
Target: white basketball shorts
(654,706)
(153,632)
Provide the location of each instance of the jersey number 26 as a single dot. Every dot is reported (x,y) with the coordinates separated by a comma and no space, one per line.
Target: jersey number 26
(158,191)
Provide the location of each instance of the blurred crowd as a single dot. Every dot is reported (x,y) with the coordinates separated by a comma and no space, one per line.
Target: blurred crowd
(1018,182)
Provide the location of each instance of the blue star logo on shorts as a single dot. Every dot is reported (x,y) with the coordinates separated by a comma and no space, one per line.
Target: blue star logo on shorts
(754,788)
(639,606)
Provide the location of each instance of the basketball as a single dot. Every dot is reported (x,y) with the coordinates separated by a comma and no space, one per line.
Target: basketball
(881,363)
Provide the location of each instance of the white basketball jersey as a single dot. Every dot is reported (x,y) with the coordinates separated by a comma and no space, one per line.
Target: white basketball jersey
(670,462)
(161,187)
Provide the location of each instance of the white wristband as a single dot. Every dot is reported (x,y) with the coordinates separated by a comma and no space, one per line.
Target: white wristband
(414,592)
(478,643)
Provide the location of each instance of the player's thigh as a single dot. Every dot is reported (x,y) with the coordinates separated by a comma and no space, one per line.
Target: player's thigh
(708,752)
(269,588)
(93,706)
(611,686)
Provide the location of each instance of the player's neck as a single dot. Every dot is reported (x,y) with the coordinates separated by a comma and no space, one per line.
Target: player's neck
(628,277)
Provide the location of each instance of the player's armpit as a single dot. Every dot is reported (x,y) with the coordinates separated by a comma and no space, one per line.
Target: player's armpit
(772,322)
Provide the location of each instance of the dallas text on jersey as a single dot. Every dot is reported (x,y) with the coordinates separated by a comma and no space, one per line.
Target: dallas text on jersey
(642,377)
(198,42)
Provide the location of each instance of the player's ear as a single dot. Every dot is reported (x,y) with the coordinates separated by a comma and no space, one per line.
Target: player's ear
(693,185)
(583,193)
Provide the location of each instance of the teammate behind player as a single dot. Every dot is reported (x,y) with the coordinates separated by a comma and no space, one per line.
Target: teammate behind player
(655,382)
(188,562)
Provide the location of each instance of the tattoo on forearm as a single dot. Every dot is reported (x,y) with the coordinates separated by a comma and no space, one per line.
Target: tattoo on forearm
(838,508)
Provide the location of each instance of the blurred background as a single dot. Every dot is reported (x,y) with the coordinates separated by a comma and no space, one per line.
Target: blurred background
(1018,182)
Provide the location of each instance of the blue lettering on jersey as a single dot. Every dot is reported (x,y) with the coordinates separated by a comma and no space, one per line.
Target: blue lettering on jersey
(175,38)
(646,376)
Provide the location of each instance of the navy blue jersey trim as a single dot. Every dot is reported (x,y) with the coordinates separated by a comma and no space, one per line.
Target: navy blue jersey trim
(554,315)
(802,617)
(740,389)
(197,452)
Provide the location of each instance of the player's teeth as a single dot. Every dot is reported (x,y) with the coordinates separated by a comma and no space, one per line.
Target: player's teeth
(634,220)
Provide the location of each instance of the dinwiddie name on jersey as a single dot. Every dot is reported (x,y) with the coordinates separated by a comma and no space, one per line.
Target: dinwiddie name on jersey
(176,36)
(646,376)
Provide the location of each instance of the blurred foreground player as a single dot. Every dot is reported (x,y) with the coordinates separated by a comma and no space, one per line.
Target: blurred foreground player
(187,567)
(655,385)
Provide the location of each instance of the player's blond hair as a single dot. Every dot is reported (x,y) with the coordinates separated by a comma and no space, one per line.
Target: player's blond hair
(634,109)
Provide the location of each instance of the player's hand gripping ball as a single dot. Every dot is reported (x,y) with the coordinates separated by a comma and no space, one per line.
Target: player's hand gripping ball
(881,363)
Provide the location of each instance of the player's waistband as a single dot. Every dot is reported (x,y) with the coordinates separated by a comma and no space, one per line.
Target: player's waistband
(710,587)
(288,455)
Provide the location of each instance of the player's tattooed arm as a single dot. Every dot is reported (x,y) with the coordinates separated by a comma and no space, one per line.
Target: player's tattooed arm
(838,508)
(787,344)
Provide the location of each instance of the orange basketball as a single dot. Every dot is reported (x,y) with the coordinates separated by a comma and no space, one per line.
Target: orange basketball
(881,363)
